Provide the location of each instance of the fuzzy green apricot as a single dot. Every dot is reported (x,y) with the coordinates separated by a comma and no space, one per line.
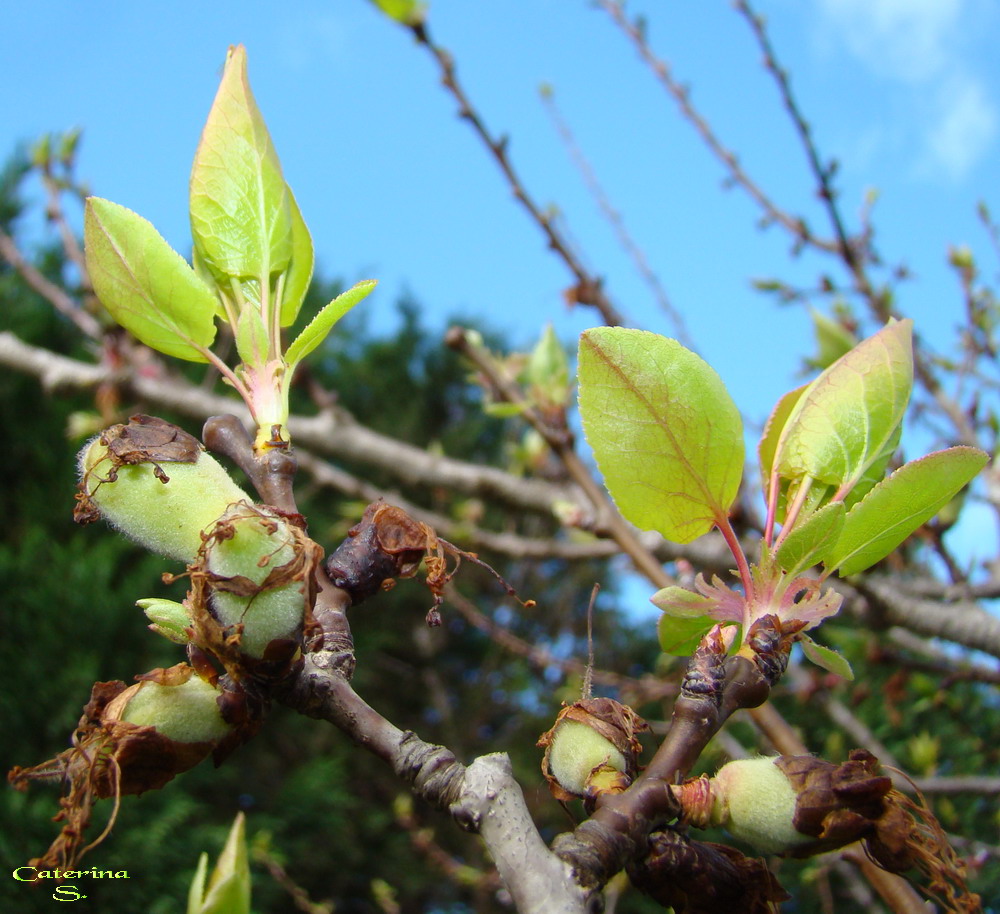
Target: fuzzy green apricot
(165,517)
(186,713)
(259,542)
(576,751)
(755,802)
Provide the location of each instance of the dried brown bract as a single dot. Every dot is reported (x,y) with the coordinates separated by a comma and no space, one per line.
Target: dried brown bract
(695,877)
(113,757)
(144,439)
(389,544)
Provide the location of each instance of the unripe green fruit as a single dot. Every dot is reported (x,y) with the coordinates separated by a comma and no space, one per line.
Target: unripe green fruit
(755,802)
(165,517)
(576,751)
(261,542)
(187,713)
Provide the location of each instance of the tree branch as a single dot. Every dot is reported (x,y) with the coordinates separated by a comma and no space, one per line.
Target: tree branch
(483,798)
(588,289)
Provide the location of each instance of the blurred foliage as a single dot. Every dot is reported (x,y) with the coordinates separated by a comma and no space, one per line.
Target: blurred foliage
(325,809)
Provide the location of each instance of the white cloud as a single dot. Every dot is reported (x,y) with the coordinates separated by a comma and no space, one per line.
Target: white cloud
(965,126)
(906,40)
(921,47)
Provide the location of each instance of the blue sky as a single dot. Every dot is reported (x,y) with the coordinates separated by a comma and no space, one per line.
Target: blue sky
(904,93)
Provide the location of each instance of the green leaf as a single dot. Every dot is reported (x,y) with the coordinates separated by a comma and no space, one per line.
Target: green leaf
(773,428)
(843,421)
(301,268)
(665,432)
(196,891)
(547,371)
(899,505)
(680,636)
(826,658)
(405,12)
(251,338)
(145,284)
(807,542)
(680,602)
(833,340)
(317,329)
(229,888)
(875,472)
(240,212)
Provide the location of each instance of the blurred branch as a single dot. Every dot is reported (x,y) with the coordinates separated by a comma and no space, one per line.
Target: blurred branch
(333,432)
(54,213)
(853,251)
(561,443)
(680,94)
(55,295)
(614,217)
(588,289)
(884,601)
(963,621)
(648,688)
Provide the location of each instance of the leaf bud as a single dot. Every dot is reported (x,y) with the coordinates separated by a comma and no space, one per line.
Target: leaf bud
(168,617)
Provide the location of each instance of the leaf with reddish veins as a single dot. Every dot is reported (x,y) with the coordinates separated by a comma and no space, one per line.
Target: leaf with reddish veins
(665,433)
(843,421)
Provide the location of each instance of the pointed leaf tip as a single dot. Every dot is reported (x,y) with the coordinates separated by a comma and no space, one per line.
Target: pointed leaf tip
(320,326)
(145,284)
(899,504)
(241,218)
(843,421)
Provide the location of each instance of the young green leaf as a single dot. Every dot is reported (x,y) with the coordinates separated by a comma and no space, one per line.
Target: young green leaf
(665,432)
(899,505)
(405,12)
(145,284)
(241,217)
(826,658)
(875,472)
(547,371)
(680,636)
(301,268)
(317,329)
(680,602)
(842,422)
(809,541)
(196,891)
(773,428)
(251,338)
(228,890)
(833,340)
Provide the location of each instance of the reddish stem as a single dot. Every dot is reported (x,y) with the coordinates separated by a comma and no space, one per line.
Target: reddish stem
(733,542)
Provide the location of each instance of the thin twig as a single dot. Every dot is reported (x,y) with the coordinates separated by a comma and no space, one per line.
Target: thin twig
(614,217)
(562,445)
(648,688)
(55,295)
(847,247)
(680,94)
(588,289)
